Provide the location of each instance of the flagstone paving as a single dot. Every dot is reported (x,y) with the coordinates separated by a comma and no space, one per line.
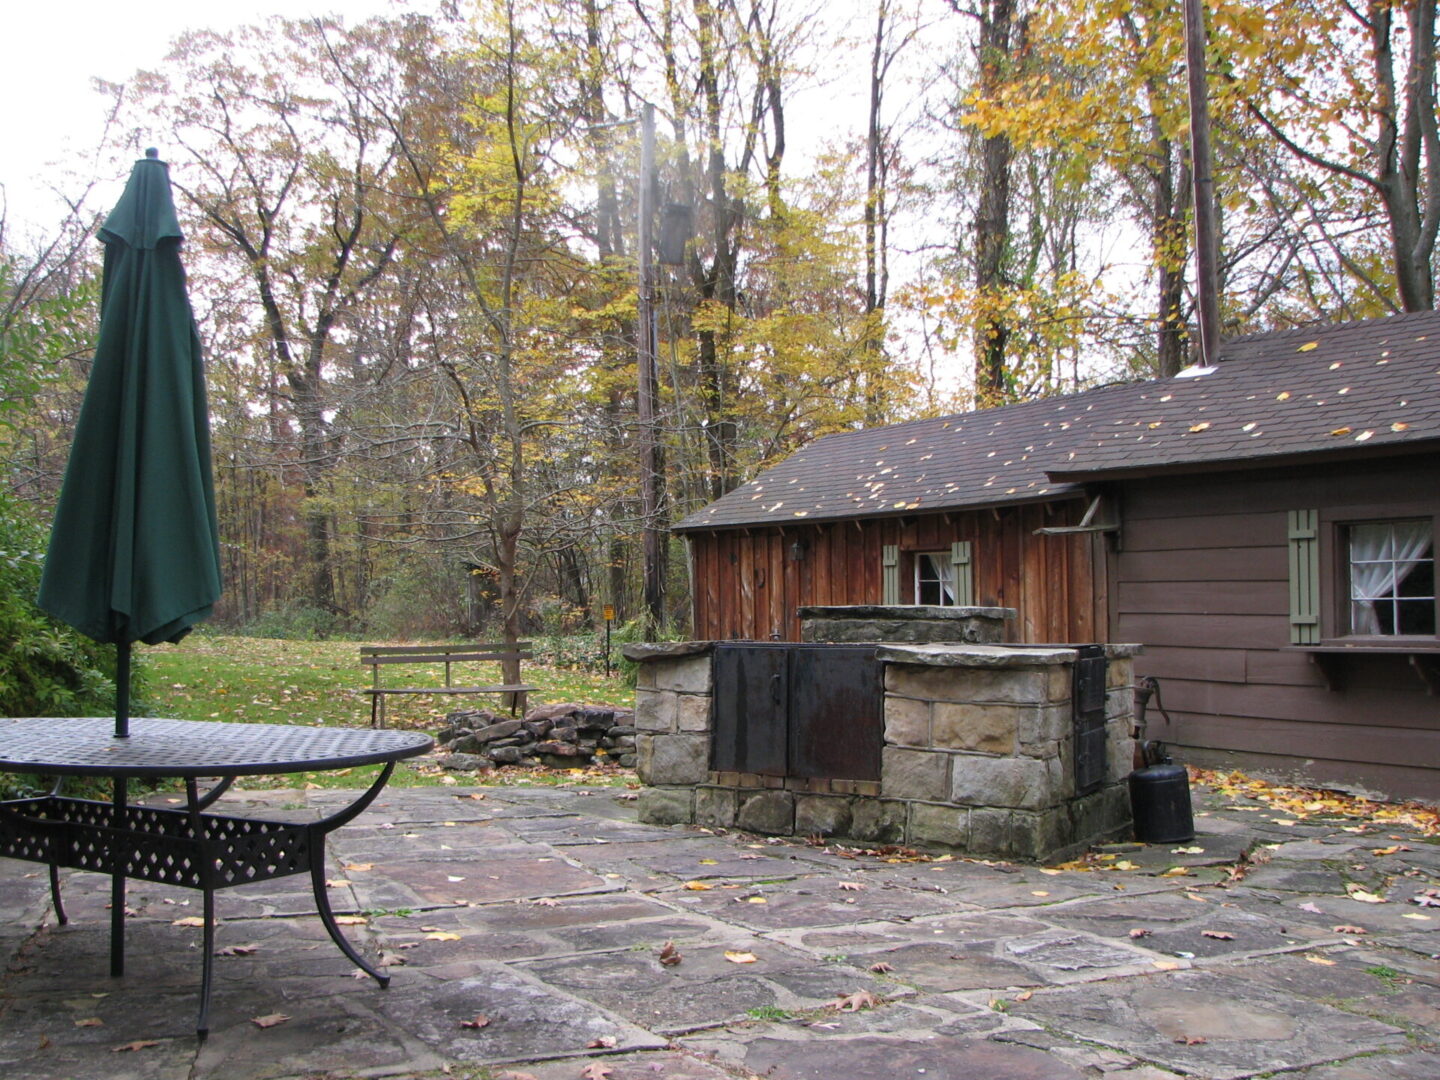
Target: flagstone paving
(528,932)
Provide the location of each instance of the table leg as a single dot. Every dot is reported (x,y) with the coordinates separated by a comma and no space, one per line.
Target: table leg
(117,883)
(55,894)
(318,832)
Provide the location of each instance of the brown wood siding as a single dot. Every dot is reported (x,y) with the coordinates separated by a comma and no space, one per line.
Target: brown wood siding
(1202,582)
(748,585)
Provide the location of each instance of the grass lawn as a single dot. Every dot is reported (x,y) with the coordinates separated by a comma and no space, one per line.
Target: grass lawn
(272,681)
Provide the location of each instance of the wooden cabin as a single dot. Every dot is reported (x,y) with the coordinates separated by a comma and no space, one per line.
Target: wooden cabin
(1264,528)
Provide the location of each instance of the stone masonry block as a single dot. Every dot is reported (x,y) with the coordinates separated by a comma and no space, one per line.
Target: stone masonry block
(1119,672)
(1028,783)
(1005,685)
(769,812)
(989,832)
(990,729)
(1120,751)
(1039,834)
(914,774)
(687,674)
(655,710)
(946,825)
(907,721)
(692,712)
(715,807)
(1061,684)
(666,806)
(822,815)
(1043,724)
(878,821)
(1120,703)
(674,759)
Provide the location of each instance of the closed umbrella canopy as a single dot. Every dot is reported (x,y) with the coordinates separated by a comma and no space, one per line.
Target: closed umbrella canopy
(134,551)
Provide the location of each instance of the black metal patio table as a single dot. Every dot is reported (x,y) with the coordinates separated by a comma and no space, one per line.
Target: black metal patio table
(188,847)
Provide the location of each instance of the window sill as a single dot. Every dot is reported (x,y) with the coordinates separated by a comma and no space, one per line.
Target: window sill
(1421,654)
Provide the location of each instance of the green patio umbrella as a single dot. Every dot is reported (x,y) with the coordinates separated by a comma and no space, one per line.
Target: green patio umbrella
(134,552)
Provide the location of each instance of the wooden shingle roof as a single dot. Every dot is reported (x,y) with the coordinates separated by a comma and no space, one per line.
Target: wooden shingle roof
(1355,388)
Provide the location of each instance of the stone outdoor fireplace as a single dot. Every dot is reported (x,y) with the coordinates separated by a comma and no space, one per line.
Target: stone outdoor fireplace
(976,744)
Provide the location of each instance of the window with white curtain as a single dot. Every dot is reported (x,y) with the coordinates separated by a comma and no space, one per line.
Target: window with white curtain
(935,578)
(1392,578)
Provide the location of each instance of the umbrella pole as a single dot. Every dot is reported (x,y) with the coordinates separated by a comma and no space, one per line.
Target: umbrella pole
(121,793)
(122,690)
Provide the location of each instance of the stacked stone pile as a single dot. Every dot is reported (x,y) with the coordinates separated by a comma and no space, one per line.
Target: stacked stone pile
(563,736)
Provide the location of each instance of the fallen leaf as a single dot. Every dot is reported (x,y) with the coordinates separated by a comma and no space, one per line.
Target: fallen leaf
(1218,935)
(238,950)
(189,920)
(1025,996)
(138,1044)
(442,935)
(851,886)
(480,1021)
(736,957)
(1363,895)
(1038,892)
(1197,897)
(1164,965)
(1415,915)
(881,968)
(1140,932)
(1388,850)
(1188,851)
(1204,426)
(1284,395)
(860,999)
(751,900)
(358,866)
(604,1042)
(1322,960)
(548,901)
(1348,930)
(1341,431)
(595,1071)
(1177,871)
(351,920)
(1191,1040)
(1306,348)
(669,955)
(697,886)
(269,1020)
(91,1021)
(452,878)
(1311,908)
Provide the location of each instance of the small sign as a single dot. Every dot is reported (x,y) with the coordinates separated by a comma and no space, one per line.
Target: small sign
(609,612)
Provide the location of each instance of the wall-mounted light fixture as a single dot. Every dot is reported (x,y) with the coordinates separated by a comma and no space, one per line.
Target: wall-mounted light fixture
(797,551)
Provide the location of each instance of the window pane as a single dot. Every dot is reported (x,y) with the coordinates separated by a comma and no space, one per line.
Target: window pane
(1392,578)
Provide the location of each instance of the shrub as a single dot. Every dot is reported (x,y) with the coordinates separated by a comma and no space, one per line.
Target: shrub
(46,668)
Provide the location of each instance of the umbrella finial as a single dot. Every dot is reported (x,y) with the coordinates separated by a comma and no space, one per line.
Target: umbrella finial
(151,152)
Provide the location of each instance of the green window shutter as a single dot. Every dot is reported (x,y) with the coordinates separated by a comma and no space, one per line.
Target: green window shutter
(1304,537)
(890,574)
(964,573)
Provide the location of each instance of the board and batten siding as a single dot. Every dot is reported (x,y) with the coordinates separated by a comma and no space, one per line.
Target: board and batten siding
(748,583)
(1225,578)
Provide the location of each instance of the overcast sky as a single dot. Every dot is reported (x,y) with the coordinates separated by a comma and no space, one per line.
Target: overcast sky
(51,50)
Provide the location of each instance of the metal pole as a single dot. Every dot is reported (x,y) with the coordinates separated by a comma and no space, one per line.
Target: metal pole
(645,341)
(1207,255)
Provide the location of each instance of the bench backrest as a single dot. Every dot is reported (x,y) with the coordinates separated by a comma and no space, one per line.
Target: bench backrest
(446,654)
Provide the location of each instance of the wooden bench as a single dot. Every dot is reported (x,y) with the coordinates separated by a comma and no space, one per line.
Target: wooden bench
(379,655)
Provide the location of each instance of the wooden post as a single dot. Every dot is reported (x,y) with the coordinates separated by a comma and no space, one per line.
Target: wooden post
(1207,253)
(646,344)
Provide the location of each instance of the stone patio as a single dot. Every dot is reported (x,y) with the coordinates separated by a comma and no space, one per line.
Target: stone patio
(537,916)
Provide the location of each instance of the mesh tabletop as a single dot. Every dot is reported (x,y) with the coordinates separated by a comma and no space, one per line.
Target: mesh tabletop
(87,746)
